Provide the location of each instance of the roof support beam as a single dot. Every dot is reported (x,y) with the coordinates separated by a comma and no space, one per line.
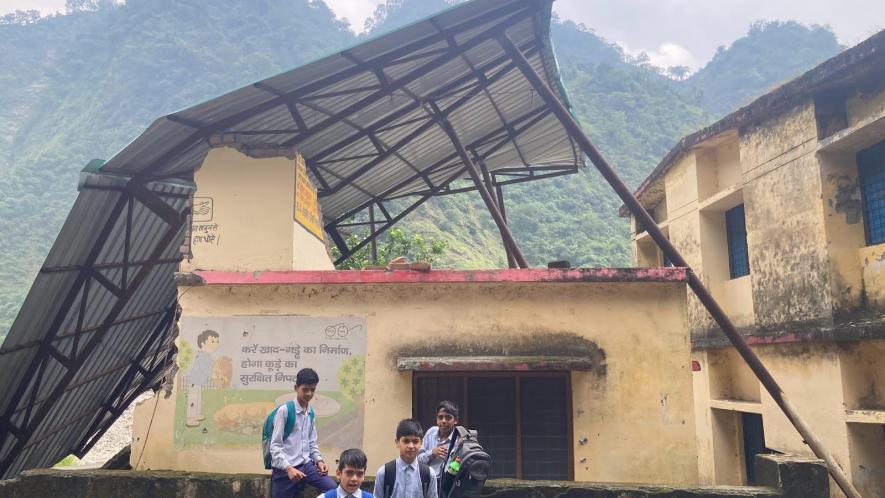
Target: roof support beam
(419,131)
(499,194)
(388,87)
(379,144)
(118,401)
(526,121)
(481,78)
(387,123)
(348,252)
(473,171)
(574,130)
(175,223)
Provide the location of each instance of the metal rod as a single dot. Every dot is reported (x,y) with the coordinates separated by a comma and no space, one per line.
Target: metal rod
(499,193)
(490,186)
(473,171)
(718,314)
(374,245)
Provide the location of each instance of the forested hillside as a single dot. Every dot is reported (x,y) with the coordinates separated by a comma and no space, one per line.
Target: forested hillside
(80,86)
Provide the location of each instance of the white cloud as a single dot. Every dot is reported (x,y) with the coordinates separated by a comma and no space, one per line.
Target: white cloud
(668,54)
(44,6)
(355,11)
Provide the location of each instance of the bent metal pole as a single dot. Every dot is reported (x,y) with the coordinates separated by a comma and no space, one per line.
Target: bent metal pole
(643,218)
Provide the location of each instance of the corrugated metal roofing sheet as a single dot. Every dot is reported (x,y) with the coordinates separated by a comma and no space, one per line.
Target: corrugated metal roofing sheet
(98,323)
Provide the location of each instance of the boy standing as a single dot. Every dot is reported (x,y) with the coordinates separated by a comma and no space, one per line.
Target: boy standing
(296,458)
(435,448)
(406,477)
(200,376)
(351,472)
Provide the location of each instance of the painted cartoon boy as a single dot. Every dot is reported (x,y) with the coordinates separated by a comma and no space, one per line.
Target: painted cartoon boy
(200,376)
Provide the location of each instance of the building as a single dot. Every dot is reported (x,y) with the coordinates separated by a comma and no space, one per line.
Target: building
(780,207)
(544,363)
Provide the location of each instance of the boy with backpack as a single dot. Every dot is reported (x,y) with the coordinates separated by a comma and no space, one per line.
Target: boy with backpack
(406,477)
(290,443)
(435,448)
(351,472)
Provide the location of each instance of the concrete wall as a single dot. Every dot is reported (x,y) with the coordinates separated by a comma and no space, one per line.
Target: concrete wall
(785,233)
(783,476)
(634,409)
(244,217)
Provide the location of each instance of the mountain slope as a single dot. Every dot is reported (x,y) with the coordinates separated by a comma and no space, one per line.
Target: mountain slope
(81,86)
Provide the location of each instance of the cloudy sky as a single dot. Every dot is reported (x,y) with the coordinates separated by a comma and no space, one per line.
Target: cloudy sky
(672,32)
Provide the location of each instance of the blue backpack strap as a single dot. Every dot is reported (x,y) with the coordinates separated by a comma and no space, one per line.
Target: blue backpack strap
(290,418)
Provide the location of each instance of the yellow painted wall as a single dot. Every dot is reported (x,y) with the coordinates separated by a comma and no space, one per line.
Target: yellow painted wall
(872,262)
(844,225)
(251,215)
(636,413)
(785,230)
(864,105)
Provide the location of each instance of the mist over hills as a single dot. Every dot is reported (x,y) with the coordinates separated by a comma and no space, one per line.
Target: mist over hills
(82,85)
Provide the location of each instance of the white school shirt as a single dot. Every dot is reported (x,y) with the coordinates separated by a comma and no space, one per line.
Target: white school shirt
(431,441)
(301,446)
(405,487)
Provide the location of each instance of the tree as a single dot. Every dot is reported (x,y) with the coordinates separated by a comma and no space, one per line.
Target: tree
(21,17)
(396,244)
(678,73)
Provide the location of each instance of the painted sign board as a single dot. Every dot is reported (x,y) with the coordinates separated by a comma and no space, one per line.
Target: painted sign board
(307,209)
(235,369)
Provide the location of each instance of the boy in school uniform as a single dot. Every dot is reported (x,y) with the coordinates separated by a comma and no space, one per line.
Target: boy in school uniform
(406,477)
(351,472)
(435,448)
(296,458)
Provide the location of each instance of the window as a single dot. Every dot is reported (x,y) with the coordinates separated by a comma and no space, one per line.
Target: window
(754,443)
(523,419)
(871,169)
(736,229)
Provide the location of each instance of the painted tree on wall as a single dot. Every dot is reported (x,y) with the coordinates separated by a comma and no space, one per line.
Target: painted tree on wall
(352,376)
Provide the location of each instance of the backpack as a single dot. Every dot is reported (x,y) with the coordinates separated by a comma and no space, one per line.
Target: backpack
(390,477)
(266,433)
(467,467)
(333,493)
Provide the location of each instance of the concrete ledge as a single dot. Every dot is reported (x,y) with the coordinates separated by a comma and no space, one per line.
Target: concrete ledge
(785,477)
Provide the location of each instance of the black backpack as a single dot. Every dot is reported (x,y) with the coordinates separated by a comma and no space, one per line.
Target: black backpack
(467,467)
(390,477)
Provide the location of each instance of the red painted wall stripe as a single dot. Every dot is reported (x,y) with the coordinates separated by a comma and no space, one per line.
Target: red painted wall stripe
(669,274)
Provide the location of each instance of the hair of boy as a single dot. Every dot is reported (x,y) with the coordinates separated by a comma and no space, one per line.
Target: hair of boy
(409,427)
(307,377)
(448,407)
(204,336)
(354,458)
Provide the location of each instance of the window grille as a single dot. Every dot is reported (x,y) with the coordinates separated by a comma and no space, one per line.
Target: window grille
(736,229)
(523,418)
(871,169)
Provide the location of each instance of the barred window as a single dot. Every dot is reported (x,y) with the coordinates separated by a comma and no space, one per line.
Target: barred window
(736,229)
(871,169)
(523,418)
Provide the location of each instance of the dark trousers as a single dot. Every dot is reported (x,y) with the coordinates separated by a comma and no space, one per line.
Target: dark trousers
(283,487)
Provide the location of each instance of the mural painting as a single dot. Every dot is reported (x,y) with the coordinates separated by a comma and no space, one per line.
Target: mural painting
(233,370)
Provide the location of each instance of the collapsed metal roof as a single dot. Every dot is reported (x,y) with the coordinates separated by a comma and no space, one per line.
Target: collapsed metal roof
(375,123)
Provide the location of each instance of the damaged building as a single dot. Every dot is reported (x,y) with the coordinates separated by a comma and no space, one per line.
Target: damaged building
(780,207)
